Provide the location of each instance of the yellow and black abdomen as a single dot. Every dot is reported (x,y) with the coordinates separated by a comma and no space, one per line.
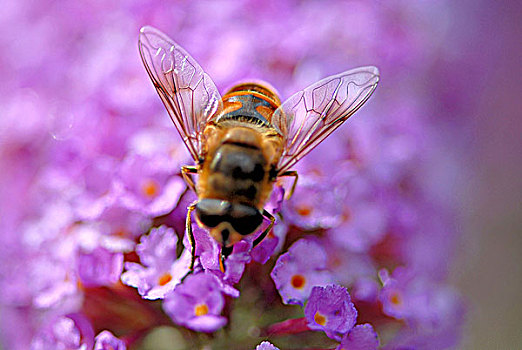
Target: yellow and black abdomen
(237,173)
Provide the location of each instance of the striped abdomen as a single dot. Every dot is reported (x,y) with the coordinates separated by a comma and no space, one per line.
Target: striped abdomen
(237,173)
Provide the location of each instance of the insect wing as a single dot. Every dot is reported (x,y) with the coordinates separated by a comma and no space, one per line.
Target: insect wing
(312,114)
(188,93)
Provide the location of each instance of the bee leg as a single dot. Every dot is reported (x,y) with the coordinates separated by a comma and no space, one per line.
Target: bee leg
(225,252)
(296,176)
(186,171)
(265,232)
(188,228)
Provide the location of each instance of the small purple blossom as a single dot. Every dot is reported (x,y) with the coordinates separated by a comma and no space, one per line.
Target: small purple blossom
(300,269)
(431,310)
(365,289)
(361,337)
(65,332)
(197,303)
(208,252)
(236,262)
(266,345)
(54,285)
(118,221)
(107,341)
(271,244)
(160,272)
(364,216)
(313,204)
(147,187)
(100,267)
(275,202)
(207,249)
(331,310)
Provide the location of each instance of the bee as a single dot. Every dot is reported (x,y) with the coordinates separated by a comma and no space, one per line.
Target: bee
(243,142)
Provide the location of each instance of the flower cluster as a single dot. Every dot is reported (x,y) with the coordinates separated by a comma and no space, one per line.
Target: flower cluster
(94,253)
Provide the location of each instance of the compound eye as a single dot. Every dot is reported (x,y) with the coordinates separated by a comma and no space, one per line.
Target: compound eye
(245,219)
(211,212)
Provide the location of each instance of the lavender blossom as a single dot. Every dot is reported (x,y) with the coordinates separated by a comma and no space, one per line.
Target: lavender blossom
(197,303)
(300,269)
(266,346)
(148,187)
(271,244)
(160,272)
(331,310)
(100,267)
(63,333)
(361,337)
(433,311)
(313,206)
(105,340)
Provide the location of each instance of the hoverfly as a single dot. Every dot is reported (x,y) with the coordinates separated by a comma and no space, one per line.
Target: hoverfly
(242,142)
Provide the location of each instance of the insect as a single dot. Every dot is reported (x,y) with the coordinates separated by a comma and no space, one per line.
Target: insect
(243,142)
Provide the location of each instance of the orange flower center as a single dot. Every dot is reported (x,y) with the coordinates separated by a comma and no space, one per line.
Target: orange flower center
(304,210)
(298,281)
(396,299)
(150,188)
(201,309)
(319,319)
(164,279)
(346,215)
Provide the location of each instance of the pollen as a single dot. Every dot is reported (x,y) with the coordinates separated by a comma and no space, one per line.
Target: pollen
(316,171)
(304,210)
(396,299)
(298,281)
(346,215)
(319,319)
(201,310)
(164,279)
(150,188)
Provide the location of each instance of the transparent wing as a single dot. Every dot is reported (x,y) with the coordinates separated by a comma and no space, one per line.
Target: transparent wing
(312,114)
(188,93)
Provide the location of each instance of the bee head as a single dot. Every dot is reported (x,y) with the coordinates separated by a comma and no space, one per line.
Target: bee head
(228,223)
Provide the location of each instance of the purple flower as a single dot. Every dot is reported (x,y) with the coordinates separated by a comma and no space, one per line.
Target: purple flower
(431,310)
(331,310)
(274,203)
(100,267)
(365,289)
(266,346)
(54,284)
(300,269)
(105,340)
(363,219)
(207,249)
(148,187)
(208,253)
(65,332)
(235,262)
(313,204)
(361,337)
(160,272)
(158,144)
(273,242)
(117,221)
(197,303)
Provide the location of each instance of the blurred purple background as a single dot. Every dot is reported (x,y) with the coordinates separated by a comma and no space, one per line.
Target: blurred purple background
(71,71)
